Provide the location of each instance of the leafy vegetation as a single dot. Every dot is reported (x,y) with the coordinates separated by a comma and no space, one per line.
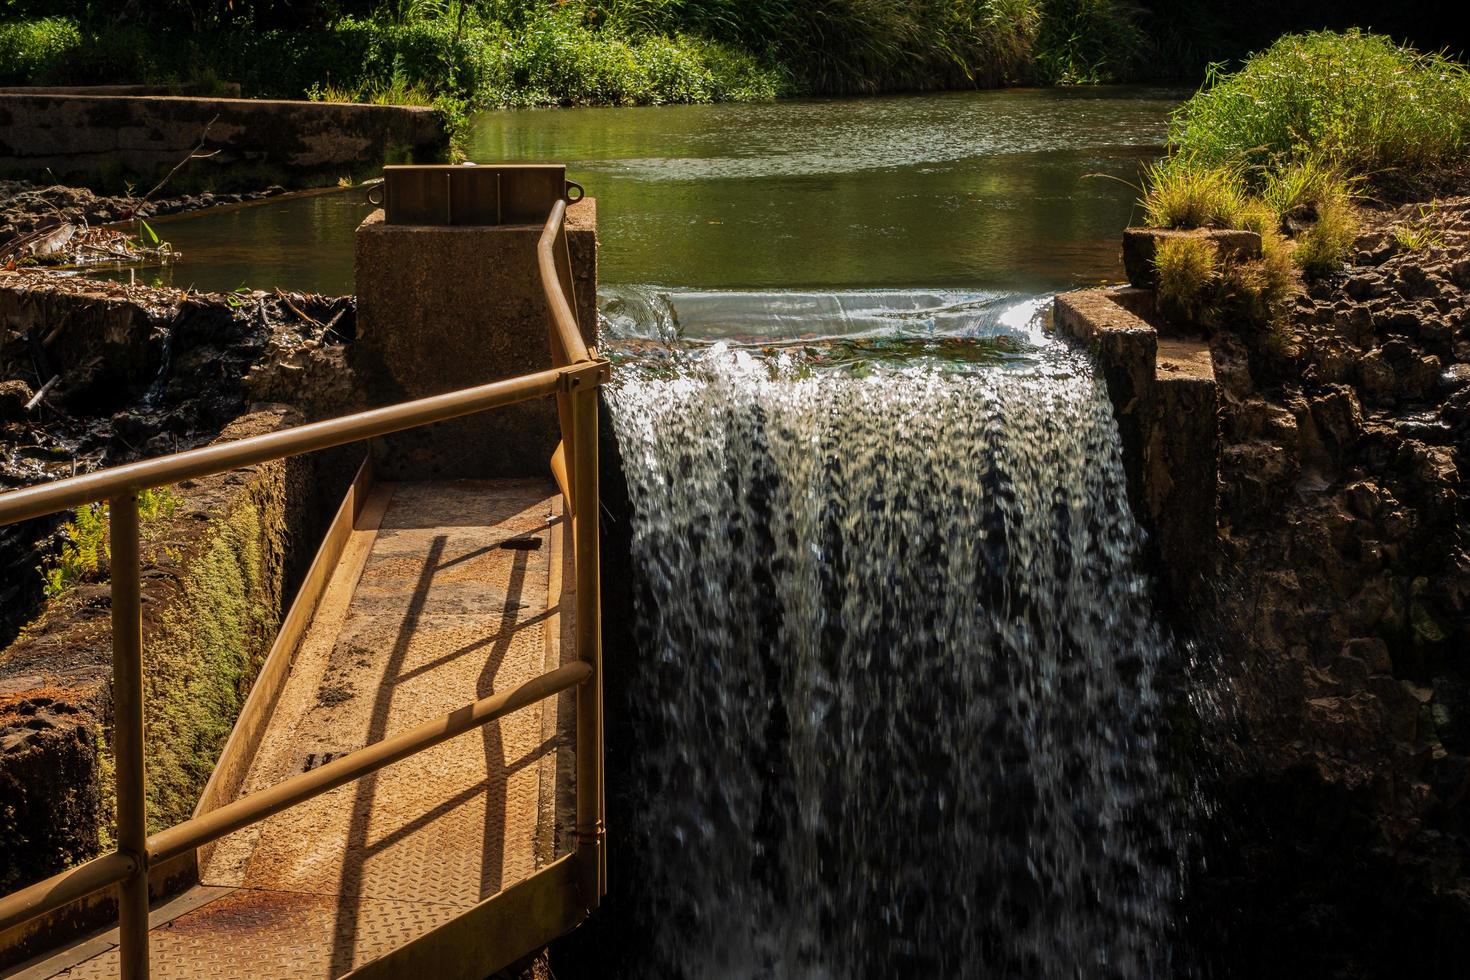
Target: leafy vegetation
(1292,141)
(84,550)
(1355,102)
(540,52)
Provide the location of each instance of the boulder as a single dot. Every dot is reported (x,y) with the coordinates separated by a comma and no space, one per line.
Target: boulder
(14,396)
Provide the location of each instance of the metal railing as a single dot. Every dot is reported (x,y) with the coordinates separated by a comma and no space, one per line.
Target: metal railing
(574,380)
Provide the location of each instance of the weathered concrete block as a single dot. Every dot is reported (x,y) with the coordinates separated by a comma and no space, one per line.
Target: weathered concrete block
(446,307)
(1167,405)
(101,140)
(1141,244)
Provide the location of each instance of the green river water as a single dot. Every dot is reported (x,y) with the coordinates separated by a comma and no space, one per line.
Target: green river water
(1017,192)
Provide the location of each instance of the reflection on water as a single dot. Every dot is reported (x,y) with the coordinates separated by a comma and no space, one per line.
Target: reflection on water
(982,191)
(302,243)
(973,189)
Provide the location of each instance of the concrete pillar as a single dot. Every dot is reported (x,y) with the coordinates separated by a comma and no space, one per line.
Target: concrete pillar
(447,307)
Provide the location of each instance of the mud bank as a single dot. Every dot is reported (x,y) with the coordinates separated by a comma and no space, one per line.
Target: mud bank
(26,207)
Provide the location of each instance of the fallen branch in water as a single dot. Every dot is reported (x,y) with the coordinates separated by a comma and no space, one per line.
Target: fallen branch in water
(193,154)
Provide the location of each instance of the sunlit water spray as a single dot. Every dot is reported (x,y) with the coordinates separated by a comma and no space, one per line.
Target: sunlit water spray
(897,713)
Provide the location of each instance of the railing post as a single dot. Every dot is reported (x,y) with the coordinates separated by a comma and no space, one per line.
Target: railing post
(591,850)
(127,734)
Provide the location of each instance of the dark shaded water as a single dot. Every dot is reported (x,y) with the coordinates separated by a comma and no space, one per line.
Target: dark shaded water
(980,190)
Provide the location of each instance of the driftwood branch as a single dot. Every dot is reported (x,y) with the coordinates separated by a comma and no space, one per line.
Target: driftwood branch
(193,154)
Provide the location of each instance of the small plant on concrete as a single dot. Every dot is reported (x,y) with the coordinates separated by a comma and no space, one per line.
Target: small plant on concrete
(84,552)
(1184,193)
(1187,272)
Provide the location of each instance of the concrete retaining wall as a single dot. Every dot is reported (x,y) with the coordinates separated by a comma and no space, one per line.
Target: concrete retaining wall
(446,307)
(216,579)
(103,141)
(1167,405)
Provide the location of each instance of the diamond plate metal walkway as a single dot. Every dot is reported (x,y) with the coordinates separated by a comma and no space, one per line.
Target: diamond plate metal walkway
(444,593)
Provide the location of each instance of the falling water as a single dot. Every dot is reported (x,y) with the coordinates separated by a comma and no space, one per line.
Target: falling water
(898,715)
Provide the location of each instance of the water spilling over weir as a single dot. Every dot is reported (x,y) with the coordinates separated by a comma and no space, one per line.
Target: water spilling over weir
(897,712)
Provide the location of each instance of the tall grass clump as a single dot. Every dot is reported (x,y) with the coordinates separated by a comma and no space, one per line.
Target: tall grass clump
(1187,269)
(1357,101)
(1185,193)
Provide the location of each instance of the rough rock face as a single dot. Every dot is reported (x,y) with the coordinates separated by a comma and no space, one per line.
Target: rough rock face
(1339,842)
(135,372)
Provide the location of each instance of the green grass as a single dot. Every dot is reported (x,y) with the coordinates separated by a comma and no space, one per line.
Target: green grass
(1358,102)
(1187,269)
(1420,233)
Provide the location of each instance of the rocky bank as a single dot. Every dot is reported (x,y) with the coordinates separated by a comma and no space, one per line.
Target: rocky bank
(26,207)
(94,374)
(1336,830)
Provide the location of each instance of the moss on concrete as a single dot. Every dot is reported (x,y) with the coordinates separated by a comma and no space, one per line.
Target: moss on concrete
(214,580)
(206,647)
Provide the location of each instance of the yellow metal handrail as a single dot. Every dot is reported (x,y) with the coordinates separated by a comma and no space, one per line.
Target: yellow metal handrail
(574,380)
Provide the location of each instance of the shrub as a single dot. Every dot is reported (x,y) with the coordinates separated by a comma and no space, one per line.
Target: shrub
(1187,269)
(1086,42)
(1357,101)
(30,49)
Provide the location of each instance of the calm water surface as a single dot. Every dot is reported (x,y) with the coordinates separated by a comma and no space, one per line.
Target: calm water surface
(978,191)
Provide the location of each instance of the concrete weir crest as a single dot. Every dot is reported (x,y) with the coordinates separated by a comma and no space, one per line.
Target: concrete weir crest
(1162,385)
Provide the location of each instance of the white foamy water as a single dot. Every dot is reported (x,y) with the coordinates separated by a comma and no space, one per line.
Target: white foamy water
(897,714)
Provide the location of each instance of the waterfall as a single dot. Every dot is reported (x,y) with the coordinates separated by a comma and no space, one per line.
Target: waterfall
(897,714)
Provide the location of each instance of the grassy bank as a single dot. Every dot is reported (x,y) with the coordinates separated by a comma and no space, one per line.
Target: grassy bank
(1294,143)
(618,52)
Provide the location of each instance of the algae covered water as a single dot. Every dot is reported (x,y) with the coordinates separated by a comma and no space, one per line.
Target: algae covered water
(895,713)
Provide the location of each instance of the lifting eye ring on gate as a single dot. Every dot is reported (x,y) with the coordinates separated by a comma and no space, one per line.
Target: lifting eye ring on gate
(571,184)
(378,187)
